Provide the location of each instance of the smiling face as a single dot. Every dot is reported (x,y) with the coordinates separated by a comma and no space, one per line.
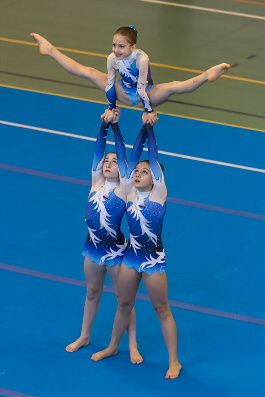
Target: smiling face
(110,168)
(121,47)
(142,177)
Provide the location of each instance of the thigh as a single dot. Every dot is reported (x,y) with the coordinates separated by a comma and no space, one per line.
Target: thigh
(128,284)
(113,272)
(95,275)
(160,93)
(122,96)
(156,285)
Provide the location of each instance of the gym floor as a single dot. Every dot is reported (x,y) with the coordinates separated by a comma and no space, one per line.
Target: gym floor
(212,145)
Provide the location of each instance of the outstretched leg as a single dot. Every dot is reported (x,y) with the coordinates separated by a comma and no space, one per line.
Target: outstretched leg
(135,356)
(156,285)
(95,76)
(128,283)
(161,92)
(95,277)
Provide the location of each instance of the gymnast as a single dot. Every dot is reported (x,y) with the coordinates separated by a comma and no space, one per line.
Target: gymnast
(144,256)
(105,243)
(135,86)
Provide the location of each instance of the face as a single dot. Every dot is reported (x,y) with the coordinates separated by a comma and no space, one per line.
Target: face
(142,178)
(121,46)
(110,168)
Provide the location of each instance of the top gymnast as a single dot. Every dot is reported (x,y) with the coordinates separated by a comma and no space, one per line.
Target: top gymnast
(136,85)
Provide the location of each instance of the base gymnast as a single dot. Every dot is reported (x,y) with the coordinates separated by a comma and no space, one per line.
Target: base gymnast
(105,243)
(144,256)
(135,86)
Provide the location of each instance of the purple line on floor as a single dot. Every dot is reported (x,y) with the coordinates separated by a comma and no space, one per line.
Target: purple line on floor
(28,171)
(215,208)
(169,199)
(143,297)
(12,393)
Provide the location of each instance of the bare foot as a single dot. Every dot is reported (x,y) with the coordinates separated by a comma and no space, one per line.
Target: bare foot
(44,46)
(135,356)
(173,370)
(80,342)
(217,71)
(104,354)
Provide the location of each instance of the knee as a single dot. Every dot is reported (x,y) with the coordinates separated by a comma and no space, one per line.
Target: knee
(93,294)
(124,304)
(162,311)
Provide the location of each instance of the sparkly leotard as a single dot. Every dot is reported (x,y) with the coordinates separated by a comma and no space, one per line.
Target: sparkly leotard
(129,81)
(146,210)
(105,243)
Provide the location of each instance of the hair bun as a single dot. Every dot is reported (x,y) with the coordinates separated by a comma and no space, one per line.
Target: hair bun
(132,27)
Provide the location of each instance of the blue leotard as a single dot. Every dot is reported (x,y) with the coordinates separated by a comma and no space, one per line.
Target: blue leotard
(105,243)
(145,212)
(129,81)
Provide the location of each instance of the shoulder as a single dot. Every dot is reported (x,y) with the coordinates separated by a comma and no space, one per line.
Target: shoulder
(142,59)
(142,56)
(111,60)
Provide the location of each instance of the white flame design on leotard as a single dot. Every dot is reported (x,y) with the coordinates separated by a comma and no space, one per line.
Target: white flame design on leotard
(134,243)
(94,238)
(99,200)
(113,254)
(151,262)
(144,223)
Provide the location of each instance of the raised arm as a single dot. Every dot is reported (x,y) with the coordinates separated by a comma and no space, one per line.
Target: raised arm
(110,88)
(99,153)
(152,152)
(159,191)
(136,152)
(120,150)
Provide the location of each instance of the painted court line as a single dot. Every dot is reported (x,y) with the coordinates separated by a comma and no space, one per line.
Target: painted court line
(175,200)
(13,393)
(204,9)
(29,127)
(105,56)
(142,297)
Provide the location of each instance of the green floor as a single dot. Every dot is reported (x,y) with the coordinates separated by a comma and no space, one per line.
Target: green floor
(172,36)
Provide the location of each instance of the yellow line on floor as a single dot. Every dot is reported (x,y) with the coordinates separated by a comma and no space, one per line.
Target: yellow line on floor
(160,65)
(129,107)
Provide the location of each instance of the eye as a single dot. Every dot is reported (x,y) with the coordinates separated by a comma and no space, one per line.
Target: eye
(122,46)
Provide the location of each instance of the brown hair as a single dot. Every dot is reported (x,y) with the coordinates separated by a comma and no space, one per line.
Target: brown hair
(147,161)
(129,32)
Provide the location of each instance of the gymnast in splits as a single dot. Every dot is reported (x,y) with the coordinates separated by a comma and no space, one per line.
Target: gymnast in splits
(144,256)
(135,86)
(105,243)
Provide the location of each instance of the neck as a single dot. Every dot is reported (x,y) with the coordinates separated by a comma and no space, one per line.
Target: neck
(112,180)
(143,193)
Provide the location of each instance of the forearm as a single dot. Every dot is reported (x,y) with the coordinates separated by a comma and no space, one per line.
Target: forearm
(120,149)
(153,152)
(137,151)
(100,145)
(144,97)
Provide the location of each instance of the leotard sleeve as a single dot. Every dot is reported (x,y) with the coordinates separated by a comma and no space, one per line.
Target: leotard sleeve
(120,150)
(136,152)
(122,162)
(142,82)
(99,154)
(110,88)
(159,191)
